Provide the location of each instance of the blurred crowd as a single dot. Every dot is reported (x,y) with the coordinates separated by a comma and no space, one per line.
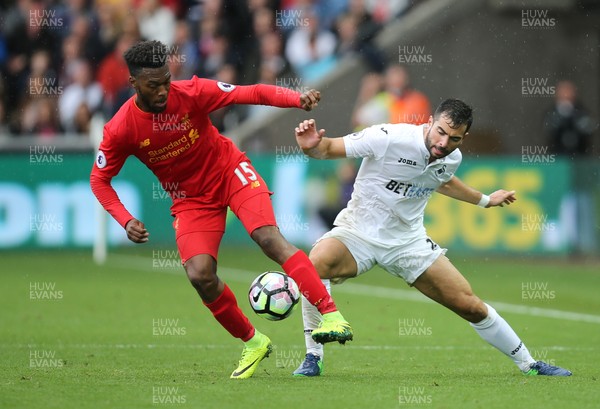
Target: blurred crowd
(62,60)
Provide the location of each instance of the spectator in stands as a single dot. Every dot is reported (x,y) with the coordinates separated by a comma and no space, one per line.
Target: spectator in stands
(328,11)
(3,122)
(347,30)
(229,116)
(569,129)
(568,124)
(385,10)
(310,49)
(40,117)
(271,58)
(66,12)
(83,91)
(352,42)
(263,22)
(239,34)
(3,125)
(41,72)
(92,48)
(37,103)
(131,28)
(254,5)
(396,103)
(71,55)
(215,55)
(156,21)
(185,53)
(111,20)
(113,75)
(25,30)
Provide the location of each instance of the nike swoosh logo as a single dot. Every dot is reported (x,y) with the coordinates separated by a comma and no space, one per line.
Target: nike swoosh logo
(245,369)
(256,296)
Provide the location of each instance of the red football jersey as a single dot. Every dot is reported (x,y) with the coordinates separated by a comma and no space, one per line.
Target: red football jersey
(179,145)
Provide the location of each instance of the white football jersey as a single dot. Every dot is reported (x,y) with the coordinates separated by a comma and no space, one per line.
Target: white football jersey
(393,183)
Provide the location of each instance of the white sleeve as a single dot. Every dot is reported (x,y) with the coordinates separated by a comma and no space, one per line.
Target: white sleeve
(371,142)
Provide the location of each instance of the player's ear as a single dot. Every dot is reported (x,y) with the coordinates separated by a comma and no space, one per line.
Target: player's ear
(132,81)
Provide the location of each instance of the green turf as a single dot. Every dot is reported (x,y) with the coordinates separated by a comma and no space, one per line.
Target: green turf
(130,335)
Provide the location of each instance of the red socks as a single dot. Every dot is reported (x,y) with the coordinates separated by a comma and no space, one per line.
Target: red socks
(300,268)
(226,310)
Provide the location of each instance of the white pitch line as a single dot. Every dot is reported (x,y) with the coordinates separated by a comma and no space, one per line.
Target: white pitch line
(284,347)
(234,274)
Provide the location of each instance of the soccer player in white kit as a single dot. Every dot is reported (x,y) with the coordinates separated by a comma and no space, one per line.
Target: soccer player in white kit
(383,222)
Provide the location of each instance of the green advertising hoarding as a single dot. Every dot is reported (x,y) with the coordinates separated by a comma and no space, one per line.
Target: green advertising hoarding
(46,202)
(531,224)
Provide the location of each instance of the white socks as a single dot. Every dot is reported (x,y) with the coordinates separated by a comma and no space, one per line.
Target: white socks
(496,331)
(493,329)
(312,317)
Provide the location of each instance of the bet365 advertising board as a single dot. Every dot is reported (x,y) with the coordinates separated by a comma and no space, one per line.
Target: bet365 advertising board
(46,202)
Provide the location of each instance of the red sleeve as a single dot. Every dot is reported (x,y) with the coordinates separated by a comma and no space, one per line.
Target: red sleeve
(109,161)
(214,94)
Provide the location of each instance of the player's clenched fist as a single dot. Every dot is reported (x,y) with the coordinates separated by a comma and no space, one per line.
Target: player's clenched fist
(136,232)
(310,99)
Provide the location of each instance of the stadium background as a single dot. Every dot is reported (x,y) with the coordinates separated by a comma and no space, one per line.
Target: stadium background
(504,57)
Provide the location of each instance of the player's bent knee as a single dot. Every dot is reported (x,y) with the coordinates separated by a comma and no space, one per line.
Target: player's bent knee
(201,274)
(327,267)
(267,237)
(322,268)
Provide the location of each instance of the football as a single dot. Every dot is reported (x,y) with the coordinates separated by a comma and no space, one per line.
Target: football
(273,295)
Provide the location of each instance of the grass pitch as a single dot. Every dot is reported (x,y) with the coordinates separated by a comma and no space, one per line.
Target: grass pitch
(133,334)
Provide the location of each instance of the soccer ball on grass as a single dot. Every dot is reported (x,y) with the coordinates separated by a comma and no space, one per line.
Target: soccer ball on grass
(273,295)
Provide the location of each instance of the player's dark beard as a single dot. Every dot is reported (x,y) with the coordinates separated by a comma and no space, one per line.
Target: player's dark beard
(146,104)
(430,145)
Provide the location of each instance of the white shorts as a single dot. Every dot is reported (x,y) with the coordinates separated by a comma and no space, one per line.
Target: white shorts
(407,261)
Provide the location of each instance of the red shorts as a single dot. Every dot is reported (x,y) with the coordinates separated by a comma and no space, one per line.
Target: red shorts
(199,231)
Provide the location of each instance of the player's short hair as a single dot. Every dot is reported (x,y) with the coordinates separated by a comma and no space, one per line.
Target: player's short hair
(145,54)
(459,113)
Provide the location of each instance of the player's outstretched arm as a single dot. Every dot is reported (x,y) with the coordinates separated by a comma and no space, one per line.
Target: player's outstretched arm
(457,189)
(136,231)
(314,143)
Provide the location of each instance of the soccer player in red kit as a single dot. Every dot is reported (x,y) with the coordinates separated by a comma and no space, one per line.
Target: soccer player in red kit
(166,126)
